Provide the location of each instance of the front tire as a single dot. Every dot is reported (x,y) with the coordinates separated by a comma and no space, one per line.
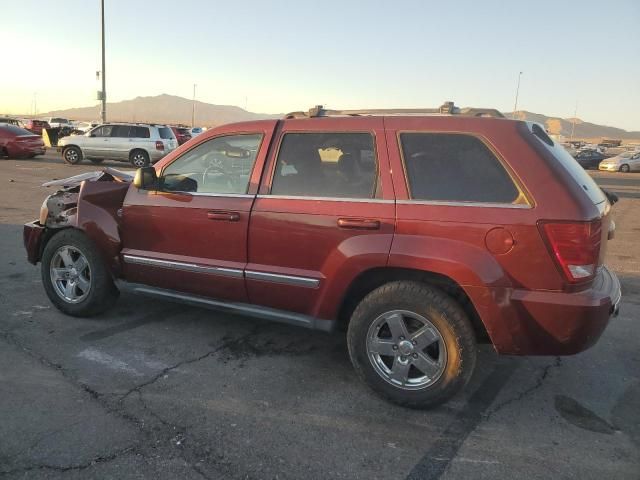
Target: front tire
(139,158)
(625,168)
(412,344)
(75,276)
(72,155)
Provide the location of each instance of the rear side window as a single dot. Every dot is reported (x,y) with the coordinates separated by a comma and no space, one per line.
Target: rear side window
(139,132)
(120,131)
(326,165)
(453,167)
(165,133)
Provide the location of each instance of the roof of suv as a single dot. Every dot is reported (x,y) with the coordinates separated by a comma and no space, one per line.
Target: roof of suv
(447,108)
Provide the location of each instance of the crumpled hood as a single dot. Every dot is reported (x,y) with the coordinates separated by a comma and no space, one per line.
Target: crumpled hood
(107,174)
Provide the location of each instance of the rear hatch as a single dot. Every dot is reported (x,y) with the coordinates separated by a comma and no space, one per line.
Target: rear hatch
(599,230)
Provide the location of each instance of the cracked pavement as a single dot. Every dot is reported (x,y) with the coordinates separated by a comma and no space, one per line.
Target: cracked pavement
(155,390)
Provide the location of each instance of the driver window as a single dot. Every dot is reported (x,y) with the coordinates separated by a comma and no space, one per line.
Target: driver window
(220,165)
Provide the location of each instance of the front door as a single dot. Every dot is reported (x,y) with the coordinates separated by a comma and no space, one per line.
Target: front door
(191,234)
(325,214)
(98,143)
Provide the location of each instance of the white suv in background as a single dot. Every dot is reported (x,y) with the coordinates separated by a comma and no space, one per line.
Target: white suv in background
(139,143)
(58,122)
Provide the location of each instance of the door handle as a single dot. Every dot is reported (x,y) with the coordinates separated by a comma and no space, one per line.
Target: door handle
(224,216)
(359,223)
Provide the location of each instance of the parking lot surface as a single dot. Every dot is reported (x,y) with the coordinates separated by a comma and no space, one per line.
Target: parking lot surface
(158,390)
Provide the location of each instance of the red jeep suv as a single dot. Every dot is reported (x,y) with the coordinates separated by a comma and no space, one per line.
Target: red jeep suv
(419,232)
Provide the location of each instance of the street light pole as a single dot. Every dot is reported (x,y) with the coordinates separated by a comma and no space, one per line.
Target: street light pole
(515,106)
(193,109)
(103,114)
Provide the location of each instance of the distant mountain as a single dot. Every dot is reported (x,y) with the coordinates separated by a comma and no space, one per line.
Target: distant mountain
(172,109)
(163,109)
(583,130)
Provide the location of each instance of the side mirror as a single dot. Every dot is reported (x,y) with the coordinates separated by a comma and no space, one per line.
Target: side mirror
(146,179)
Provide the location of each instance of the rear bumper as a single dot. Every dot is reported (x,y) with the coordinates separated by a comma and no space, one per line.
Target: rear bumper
(525,322)
(32,236)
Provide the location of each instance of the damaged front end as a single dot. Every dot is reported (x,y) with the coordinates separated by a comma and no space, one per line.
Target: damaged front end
(89,202)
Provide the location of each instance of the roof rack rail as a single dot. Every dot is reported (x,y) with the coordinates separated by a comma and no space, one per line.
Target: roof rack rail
(447,108)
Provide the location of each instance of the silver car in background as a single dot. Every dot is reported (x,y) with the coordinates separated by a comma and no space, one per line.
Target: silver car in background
(625,162)
(138,143)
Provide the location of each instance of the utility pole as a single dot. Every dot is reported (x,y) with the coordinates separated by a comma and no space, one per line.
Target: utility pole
(573,123)
(515,106)
(103,95)
(193,109)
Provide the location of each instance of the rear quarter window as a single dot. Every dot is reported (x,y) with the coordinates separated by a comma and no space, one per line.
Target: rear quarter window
(166,133)
(452,167)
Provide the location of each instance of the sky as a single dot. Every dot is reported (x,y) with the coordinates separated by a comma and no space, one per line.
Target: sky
(280,56)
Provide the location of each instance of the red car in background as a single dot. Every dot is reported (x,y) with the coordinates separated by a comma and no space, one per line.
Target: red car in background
(183,134)
(35,126)
(18,142)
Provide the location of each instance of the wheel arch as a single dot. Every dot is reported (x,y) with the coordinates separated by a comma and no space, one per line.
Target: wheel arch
(369,280)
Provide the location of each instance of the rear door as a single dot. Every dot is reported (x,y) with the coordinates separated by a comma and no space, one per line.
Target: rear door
(120,142)
(191,234)
(325,214)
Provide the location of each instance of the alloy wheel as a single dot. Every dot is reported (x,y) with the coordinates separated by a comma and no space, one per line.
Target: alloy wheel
(406,349)
(70,274)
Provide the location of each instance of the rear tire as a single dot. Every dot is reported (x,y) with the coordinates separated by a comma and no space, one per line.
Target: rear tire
(427,364)
(72,155)
(75,276)
(625,168)
(139,158)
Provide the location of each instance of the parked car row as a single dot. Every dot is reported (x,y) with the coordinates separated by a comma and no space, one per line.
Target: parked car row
(624,162)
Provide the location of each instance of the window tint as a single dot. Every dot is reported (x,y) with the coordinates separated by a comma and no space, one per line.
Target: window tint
(219,165)
(326,165)
(139,132)
(454,167)
(103,131)
(166,133)
(120,131)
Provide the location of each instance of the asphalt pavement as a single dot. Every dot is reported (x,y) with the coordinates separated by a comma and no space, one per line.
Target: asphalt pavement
(157,390)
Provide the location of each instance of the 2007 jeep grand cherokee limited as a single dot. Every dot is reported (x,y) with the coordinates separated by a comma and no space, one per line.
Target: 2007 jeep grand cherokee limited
(419,232)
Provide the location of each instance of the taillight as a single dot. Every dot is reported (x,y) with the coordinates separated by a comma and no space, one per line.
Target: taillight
(159,145)
(575,247)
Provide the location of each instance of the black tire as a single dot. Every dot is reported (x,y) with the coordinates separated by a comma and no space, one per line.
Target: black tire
(96,160)
(139,158)
(625,168)
(443,313)
(102,292)
(72,155)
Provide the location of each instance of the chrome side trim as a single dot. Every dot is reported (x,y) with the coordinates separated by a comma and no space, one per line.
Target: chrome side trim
(464,204)
(187,267)
(203,194)
(286,279)
(326,199)
(236,307)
